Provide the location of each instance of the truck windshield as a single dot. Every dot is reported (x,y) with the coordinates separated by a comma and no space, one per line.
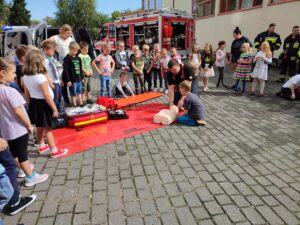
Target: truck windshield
(103,33)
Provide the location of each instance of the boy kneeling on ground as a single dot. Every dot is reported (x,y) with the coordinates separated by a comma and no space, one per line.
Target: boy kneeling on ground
(194,110)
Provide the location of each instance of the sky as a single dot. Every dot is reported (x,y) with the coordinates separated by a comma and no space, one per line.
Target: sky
(42,8)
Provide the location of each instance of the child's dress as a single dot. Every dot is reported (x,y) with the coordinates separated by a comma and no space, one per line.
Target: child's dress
(243,70)
(261,66)
(207,62)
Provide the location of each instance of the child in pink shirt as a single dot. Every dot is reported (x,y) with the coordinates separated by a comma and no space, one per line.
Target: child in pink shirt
(105,69)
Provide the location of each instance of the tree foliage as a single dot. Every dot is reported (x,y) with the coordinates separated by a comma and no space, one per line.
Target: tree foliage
(80,12)
(115,15)
(19,15)
(4,12)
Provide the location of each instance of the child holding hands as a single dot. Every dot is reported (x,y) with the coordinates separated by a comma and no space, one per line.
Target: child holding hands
(243,69)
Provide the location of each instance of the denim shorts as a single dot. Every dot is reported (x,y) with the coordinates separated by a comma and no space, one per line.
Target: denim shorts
(76,88)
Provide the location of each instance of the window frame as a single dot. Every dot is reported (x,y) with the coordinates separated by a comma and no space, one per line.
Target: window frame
(239,9)
(212,11)
(280,2)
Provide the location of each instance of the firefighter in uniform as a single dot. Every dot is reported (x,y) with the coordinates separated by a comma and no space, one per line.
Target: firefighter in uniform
(269,36)
(291,48)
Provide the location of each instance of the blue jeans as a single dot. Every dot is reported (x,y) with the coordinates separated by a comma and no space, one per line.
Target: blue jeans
(76,88)
(57,96)
(8,162)
(186,120)
(156,74)
(105,86)
(6,190)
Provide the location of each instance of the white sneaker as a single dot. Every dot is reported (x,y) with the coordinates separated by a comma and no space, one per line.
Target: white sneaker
(21,173)
(35,178)
(166,91)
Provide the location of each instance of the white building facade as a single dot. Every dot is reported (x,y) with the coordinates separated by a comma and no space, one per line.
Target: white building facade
(216,19)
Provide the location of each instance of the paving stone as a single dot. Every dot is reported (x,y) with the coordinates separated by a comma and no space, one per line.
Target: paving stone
(200,213)
(234,213)
(81,219)
(135,220)
(253,216)
(213,208)
(116,218)
(163,205)
(169,219)
(269,215)
(132,208)
(222,220)
(151,220)
(285,215)
(148,207)
(63,219)
(185,216)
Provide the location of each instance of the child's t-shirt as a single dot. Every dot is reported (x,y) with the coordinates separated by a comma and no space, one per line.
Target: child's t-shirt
(105,62)
(147,61)
(220,58)
(293,80)
(33,82)
(86,62)
(11,126)
(138,62)
(164,62)
(194,106)
(76,64)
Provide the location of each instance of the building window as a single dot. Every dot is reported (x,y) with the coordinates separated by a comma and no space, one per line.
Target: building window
(280,1)
(203,8)
(234,5)
(149,5)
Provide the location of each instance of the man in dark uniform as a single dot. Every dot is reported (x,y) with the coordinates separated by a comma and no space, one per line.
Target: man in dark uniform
(291,48)
(178,73)
(269,36)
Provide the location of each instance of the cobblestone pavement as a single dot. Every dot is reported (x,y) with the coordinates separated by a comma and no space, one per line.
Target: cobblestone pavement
(242,168)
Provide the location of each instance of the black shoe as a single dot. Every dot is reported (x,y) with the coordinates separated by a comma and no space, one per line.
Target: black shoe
(233,86)
(90,101)
(68,104)
(23,203)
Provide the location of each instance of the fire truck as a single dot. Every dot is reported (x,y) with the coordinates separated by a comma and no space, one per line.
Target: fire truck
(167,27)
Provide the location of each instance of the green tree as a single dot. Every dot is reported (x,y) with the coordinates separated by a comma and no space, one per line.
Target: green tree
(115,15)
(50,21)
(79,12)
(4,12)
(19,15)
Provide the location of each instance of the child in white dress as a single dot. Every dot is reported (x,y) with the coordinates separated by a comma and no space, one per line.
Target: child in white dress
(260,72)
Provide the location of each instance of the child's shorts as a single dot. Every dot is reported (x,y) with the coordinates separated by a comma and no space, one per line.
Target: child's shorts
(87,87)
(76,88)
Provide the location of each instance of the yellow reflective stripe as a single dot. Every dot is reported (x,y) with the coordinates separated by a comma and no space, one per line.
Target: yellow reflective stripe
(278,44)
(296,45)
(287,45)
(299,54)
(89,121)
(271,39)
(256,43)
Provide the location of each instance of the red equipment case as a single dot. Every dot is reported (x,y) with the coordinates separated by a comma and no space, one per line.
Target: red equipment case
(87,120)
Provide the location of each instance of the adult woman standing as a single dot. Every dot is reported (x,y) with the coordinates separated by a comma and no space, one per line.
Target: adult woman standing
(62,42)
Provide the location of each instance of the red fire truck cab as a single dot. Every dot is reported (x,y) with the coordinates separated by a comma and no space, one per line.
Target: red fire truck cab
(167,27)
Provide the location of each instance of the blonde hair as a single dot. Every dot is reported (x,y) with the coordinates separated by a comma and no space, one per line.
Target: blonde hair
(73,45)
(64,28)
(48,44)
(6,64)
(185,85)
(247,46)
(135,47)
(265,47)
(34,63)
(83,45)
(107,46)
(145,46)
(156,46)
(164,51)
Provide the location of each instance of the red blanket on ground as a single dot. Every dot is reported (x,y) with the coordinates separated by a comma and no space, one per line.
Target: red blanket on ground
(140,121)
